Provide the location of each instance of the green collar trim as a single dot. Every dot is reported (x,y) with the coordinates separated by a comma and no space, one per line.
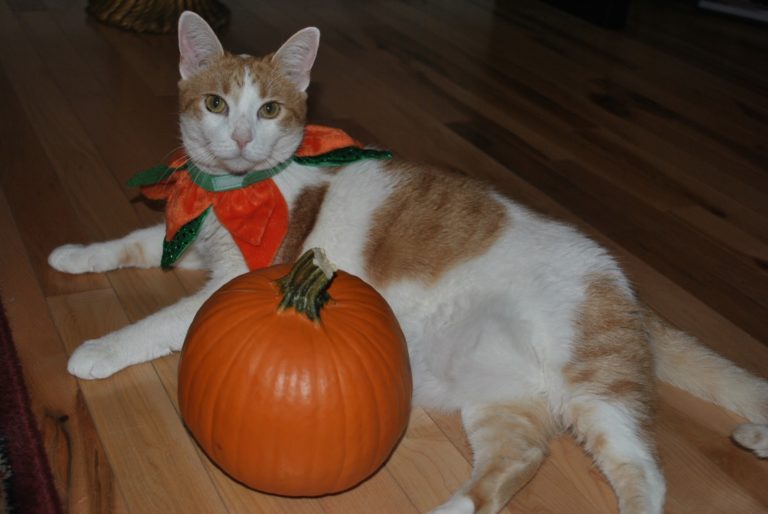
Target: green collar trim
(219,183)
(338,157)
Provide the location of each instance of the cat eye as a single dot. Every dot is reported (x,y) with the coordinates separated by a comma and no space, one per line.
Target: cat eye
(215,104)
(269,110)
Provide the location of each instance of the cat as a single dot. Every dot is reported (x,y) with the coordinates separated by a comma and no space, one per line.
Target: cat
(523,324)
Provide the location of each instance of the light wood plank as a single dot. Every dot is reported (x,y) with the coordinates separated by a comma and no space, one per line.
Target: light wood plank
(83,477)
(144,438)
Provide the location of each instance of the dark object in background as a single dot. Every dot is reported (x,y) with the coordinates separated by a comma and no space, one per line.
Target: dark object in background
(611,14)
(751,9)
(156,16)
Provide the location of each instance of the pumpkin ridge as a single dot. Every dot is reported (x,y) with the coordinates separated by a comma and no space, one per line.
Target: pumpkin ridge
(280,365)
(362,321)
(314,344)
(270,455)
(340,394)
(215,375)
(257,352)
(373,392)
(387,366)
(199,383)
(213,348)
(225,384)
(344,412)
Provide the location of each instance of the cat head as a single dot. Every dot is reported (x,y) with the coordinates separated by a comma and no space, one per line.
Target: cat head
(241,113)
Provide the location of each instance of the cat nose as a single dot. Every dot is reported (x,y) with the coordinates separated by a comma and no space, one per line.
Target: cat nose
(242,140)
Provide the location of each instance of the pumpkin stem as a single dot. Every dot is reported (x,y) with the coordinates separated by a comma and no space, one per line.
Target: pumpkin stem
(305,287)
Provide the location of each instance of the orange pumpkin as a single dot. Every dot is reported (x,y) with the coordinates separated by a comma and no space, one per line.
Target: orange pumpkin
(293,387)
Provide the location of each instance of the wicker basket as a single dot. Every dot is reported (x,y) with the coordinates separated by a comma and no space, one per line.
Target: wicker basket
(156,16)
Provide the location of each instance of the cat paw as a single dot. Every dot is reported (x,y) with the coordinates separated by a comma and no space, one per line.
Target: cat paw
(95,359)
(753,437)
(456,505)
(80,259)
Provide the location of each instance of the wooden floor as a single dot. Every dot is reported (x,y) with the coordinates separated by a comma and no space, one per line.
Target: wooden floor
(652,140)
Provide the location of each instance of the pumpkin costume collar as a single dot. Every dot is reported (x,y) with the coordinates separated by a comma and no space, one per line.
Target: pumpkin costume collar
(249,206)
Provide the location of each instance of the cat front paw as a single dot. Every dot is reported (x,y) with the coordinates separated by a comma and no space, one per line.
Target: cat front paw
(98,358)
(80,259)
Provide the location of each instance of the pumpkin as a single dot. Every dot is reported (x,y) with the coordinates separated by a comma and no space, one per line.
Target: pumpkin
(296,381)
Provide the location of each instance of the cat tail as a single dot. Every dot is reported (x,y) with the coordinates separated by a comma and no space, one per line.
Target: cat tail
(684,362)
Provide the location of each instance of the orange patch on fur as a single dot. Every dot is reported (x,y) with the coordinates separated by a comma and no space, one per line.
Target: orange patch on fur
(432,221)
(301,221)
(510,442)
(630,480)
(612,356)
(132,255)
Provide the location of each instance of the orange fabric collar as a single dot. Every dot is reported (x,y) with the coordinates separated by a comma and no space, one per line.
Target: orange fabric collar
(256,215)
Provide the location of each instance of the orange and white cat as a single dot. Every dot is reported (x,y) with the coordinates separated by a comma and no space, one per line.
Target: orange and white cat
(524,324)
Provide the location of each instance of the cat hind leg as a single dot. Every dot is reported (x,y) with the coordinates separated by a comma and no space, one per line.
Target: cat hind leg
(609,393)
(623,450)
(509,443)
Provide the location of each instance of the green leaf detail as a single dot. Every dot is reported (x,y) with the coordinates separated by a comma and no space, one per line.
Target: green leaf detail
(342,156)
(175,248)
(151,176)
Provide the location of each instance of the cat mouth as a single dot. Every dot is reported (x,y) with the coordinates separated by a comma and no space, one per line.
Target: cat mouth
(241,166)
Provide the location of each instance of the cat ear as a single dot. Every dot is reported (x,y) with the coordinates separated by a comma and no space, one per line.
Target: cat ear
(297,55)
(198,44)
